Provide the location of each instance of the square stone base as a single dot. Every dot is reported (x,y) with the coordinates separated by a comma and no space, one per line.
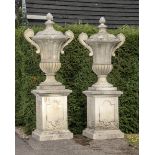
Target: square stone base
(51,135)
(51,115)
(102,134)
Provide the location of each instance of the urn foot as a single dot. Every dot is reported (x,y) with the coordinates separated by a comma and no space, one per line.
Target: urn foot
(50,83)
(102,84)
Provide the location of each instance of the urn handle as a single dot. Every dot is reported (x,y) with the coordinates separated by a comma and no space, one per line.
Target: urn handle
(28,34)
(70,35)
(121,37)
(82,38)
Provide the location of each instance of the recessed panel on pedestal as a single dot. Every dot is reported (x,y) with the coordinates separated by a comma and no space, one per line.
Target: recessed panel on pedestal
(106,112)
(56,110)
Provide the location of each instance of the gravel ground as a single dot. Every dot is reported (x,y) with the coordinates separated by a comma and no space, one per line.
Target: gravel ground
(77,146)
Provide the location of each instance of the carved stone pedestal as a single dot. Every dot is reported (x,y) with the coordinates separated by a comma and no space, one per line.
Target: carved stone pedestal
(102,114)
(51,115)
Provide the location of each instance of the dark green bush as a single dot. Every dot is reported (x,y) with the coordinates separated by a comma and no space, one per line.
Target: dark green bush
(76,74)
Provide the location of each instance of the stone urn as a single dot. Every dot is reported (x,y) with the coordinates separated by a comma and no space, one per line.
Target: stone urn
(102,97)
(102,47)
(51,95)
(49,44)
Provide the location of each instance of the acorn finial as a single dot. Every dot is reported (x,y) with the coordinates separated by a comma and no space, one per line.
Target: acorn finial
(49,23)
(102,20)
(102,26)
(49,16)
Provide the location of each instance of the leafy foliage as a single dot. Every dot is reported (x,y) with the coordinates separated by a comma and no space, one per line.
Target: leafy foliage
(76,74)
(133,140)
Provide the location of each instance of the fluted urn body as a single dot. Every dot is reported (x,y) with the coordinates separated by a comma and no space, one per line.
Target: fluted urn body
(49,43)
(102,46)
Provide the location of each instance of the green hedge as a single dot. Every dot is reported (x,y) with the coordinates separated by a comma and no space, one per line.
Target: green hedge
(76,74)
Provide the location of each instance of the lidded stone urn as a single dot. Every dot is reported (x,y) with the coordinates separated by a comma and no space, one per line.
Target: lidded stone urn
(102,47)
(49,43)
(102,97)
(51,95)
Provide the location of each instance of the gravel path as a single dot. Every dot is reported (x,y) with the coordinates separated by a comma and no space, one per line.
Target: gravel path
(77,146)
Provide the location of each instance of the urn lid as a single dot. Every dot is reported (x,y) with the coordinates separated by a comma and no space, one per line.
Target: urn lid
(49,32)
(103,35)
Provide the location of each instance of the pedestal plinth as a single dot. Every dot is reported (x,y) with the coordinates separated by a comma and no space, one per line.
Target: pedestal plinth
(102,114)
(51,115)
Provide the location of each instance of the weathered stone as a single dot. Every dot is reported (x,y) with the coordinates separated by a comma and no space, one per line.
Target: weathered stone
(102,47)
(102,97)
(102,115)
(102,134)
(49,43)
(51,95)
(51,115)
